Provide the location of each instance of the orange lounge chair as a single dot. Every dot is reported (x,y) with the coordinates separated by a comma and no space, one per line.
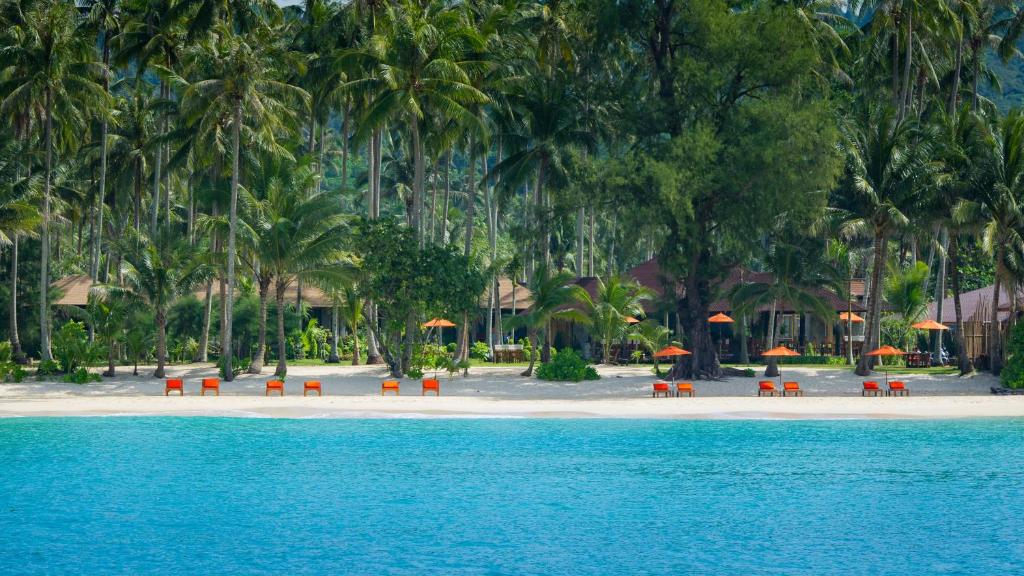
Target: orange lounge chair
(312,385)
(389,386)
(684,388)
(766,388)
(274,386)
(661,388)
(897,388)
(871,389)
(210,384)
(174,384)
(431,384)
(791,388)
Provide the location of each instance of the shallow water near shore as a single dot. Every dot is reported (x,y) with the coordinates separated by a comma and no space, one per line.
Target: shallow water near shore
(170,495)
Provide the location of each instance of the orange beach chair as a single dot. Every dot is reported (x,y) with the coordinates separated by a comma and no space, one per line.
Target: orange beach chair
(766,388)
(431,385)
(871,389)
(684,388)
(661,388)
(274,386)
(174,384)
(791,388)
(389,386)
(312,385)
(210,384)
(897,388)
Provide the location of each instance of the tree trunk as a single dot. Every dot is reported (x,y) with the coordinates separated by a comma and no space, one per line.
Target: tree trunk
(373,355)
(905,99)
(940,292)
(995,365)
(447,197)
(976,58)
(773,365)
(470,199)
(744,353)
(865,363)
(161,343)
(256,363)
(17,354)
(333,358)
(355,341)
(532,335)
(204,340)
(954,91)
(45,353)
(282,346)
(581,215)
(232,249)
(111,359)
(693,313)
(593,235)
(544,247)
(963,360)
(344,152)
(155,210)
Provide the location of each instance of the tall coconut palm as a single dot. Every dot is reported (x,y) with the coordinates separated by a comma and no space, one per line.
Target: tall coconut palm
(18,217)
(243,89)
(887,168)
(52,66)
(159,270)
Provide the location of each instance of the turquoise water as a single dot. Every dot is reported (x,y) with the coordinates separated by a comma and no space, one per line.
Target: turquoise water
(234,496)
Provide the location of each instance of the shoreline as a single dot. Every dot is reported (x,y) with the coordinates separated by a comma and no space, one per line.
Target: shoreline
(351,407)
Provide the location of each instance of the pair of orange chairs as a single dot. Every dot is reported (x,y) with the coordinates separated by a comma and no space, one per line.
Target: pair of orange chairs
(662,389)
(213,385)
(429,385)
(767,388)
(896,388)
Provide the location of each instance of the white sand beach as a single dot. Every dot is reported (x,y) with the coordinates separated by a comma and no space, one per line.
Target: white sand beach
(622,392)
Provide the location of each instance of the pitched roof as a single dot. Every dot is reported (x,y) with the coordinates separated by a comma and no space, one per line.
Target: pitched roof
(975,305)
(523,296)
(311,295)
(74,290)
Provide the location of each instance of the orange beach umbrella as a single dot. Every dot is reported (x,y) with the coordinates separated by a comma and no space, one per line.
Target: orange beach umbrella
(720,319)
(886,351)
(929,325)
(439,323)
(780,351)
(632,320)
(671,351)
(850,316)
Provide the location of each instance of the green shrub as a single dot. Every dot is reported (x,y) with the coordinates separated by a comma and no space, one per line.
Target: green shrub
(81,376)
(11,372)
(47,368)
(479,351)
(807,359)
(5,351)
(414,372)
(567,366)
(1012,375)
(749,372)
(71,347)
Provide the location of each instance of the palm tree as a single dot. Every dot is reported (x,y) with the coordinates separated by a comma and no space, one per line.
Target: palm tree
(886,170)
(299,240)
(18,217)
(615,301)
(554,296)
(351,308)
(159,270)
(419,70)
(107,313)
(652,337)
(52,66)
(242,89)
(904,290)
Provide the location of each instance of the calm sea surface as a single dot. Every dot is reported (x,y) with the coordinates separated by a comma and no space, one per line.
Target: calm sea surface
(235,496)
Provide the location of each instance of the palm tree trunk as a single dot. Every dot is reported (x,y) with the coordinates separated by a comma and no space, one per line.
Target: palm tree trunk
(355,341)
(532,335)
(17,354)
(447,196)
(963,360)
(282,349)
(544,247)
(905,99)
(976,64)
(232,249)
(849,320)
(433,202)
(593,235)
(954,90)
(742,334)
(940,291)
(470,199)
(204,340)
(344,152)
(994,332)
(377,145)
(111,359)
(545,354)
(864,365)
(256,363)
(161,343)
(155,210)
(333,358)
(44,236)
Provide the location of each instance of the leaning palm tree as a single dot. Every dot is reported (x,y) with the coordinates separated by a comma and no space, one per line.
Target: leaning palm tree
(159,270)
(51,66)
(554,296)
(243,89)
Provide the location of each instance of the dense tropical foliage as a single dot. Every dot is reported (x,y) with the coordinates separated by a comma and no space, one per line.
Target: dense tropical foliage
(201,160)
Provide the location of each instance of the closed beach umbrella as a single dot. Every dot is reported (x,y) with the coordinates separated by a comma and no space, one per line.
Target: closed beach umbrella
(669,351)
(781,351)
(886,351)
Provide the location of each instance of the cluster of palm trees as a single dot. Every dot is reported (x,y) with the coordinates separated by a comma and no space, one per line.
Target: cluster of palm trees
(171,146)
